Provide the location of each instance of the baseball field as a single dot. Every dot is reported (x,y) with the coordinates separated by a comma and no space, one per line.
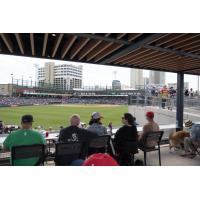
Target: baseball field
(58,115)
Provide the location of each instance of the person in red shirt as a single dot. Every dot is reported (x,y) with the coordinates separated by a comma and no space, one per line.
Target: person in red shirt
(164,95)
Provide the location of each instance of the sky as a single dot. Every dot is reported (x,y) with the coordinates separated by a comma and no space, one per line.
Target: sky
(92,74)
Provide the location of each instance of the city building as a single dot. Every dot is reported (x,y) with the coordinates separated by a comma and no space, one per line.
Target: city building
(136,78)
(116,85)
(156,77)
(63,76)
(6,89)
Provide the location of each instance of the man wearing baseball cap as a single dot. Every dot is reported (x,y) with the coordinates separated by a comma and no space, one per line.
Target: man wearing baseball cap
(151,126)
(24,136)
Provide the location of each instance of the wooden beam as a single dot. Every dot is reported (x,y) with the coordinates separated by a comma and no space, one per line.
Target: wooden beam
(108,51)
(145,40)
(144,58)
(78,47)
(168,37)
(98,50)
(131,55)
(181,40)
(102,38)
(139,57)
(133,36)
(89,47)
(57,43)
(5,37)
(180,53)
(120,35)
(67,46)
(20,42)
(44,44)
(32,44)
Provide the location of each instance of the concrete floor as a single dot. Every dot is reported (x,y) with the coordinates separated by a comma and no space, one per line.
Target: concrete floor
(168,158)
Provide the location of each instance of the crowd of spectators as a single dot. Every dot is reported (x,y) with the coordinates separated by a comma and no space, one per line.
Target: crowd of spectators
(97,100)
(9,101)
(19,101)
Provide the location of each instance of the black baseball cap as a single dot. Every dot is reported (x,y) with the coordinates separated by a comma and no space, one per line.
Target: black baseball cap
(27,118)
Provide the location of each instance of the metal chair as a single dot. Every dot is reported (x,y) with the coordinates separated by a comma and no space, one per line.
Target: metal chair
(28,151)
(65,153)
(151,142)
(99,144)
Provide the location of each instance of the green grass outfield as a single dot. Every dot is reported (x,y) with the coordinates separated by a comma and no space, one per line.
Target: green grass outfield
(57,115)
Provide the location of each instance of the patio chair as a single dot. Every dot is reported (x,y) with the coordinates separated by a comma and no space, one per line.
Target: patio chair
(151,142)
(65,153)
(99,144)
(28,151)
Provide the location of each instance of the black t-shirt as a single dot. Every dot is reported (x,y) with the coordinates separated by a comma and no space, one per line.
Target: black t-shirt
(124,134)
(75,134)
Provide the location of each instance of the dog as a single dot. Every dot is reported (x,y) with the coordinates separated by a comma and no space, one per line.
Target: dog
(176,139)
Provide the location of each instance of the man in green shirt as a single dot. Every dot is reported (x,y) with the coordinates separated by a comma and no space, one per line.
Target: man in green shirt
(24,136)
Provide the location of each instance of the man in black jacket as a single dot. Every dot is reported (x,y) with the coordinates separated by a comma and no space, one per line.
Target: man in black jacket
(74,134)
(127,133)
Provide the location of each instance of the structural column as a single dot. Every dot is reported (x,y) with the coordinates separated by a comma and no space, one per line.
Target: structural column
(180,101)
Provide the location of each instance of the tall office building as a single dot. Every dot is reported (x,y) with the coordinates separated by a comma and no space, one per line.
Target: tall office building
(116,85)
(137,79)
(64,76)
(156,77)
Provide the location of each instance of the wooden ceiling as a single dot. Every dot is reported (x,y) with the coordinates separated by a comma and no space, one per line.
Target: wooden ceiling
(172,52)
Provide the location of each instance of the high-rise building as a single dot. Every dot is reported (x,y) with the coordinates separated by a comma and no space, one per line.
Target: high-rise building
(116,85)
(63,76)
(136,79)
(156,77)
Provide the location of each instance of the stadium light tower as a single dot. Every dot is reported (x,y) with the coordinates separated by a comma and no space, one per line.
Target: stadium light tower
(115,75)
(36,66)
(12,85)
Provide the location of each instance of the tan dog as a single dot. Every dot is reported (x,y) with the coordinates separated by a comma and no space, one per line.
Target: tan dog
(176,139)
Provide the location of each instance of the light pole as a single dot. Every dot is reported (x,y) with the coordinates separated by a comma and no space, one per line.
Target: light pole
(31,80)
(12,85)
(22,81)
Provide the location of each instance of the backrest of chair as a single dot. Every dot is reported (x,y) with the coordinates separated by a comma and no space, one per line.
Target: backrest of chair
(72,148)
(100,141)
(27,151)
(152,139)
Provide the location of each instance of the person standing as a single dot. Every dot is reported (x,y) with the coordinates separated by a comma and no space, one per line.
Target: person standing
(164,95)
(24,136)
(127,133)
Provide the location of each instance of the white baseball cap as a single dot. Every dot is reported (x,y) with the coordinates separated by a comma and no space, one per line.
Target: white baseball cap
(96,115)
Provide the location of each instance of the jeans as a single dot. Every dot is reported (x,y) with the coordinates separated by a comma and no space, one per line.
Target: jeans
(189,146)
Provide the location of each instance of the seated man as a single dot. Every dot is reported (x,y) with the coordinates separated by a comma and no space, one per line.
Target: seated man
(151,126)
(73,134)
(192,143)
(24,136)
